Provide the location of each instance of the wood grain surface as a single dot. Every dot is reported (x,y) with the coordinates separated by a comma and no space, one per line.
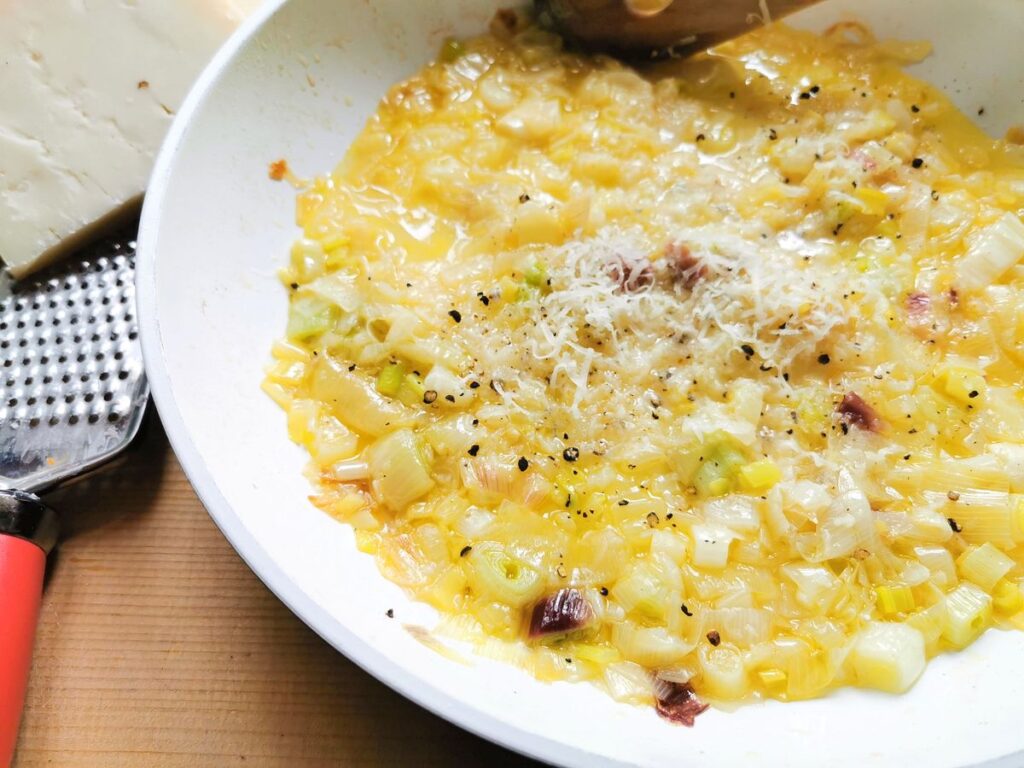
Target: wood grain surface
(157,646)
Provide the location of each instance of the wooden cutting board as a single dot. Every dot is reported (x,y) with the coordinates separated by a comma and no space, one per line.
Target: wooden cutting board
(159,647)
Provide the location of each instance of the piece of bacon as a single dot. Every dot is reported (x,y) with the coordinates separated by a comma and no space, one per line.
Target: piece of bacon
(855,410)
(565,611)
(630,274)
(678,703)
(686,268)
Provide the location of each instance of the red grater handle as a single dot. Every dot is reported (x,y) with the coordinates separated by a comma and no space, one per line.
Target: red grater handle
(22,565)
(28,529)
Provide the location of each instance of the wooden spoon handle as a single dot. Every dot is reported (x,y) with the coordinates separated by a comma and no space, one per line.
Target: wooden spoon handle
(640,27)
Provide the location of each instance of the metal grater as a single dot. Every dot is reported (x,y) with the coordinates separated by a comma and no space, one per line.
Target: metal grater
(72,385)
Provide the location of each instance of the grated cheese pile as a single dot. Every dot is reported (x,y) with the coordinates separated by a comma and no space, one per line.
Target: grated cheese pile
(697,382)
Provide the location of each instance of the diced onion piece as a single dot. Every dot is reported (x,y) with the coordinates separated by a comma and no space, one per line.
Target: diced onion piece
(741,626)
(711,545)
(532,119)
(475,523)
(930,622)
(642,590)
(333,441)
(628,682)
(991,252)
(984,565)
(965,385)
(443,381)
(353,400)
(848,526)
(887,656)
(939,561)
(337,288)
(302,419)
(349,471)
(968,614)
(735,513)
(816,585)
(399,470)
(1011,459)
(650,646)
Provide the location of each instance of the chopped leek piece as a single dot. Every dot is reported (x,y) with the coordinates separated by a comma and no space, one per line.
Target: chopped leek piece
(502,575)
(759,476)
(894,598)
(390,378)
(965,385)
(309,316)
(968,614)
(1007,598)
(772,679)
(411,391)
(599,654)
(722,460)
(399,470)
(984,565)
(991,252)
(537,275)
(643,591)
(888,656)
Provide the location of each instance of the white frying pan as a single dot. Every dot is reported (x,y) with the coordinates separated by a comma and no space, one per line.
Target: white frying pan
(297,82)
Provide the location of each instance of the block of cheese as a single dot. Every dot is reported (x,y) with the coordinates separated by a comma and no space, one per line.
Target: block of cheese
(88,92)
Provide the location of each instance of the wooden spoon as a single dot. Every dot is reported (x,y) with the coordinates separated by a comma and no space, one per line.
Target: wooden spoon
(652,28)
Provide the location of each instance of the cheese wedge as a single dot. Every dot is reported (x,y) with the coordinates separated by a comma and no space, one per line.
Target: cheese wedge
(89,90)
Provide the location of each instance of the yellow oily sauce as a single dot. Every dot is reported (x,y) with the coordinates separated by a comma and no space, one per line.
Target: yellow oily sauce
(700,375)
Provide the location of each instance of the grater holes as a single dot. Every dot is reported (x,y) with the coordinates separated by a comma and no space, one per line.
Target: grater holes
(114,417)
